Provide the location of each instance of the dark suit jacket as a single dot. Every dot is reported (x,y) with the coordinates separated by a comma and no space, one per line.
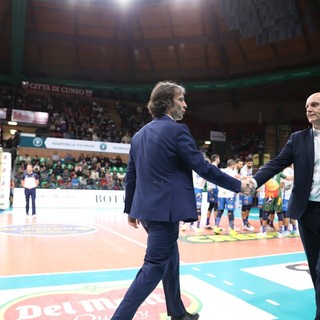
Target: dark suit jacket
(159,183)
(299,150)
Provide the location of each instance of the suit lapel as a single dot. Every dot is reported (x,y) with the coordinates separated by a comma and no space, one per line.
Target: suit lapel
(310,150)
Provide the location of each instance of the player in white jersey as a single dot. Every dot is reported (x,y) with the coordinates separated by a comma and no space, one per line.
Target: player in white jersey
(226,200)
(246,171)
(287,190)
(239,166)
(198,185)
(212,190)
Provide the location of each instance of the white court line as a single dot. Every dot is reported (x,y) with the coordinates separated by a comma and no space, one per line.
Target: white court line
(249,258)
(124,237)
(211,275)
(228,283)
(247,291)
(273,302)
(121,235)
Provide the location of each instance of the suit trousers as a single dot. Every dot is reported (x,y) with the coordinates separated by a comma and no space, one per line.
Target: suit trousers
(309,228)
(161,262)
(30,193)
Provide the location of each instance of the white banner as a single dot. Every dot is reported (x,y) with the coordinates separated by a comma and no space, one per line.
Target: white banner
(33,117)
(3,113)
(217,136)
(87,145)
(68,198)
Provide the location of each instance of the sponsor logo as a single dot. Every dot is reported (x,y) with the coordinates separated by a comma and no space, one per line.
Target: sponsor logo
(37,142)
(89,303)
(103,146)
(209,238)
(302,266)
(46,229)
(109,198)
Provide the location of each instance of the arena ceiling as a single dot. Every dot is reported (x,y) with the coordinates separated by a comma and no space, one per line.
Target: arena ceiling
(237,49)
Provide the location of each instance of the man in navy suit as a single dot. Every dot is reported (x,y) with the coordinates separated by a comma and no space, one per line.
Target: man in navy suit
(303,150)
(160,194)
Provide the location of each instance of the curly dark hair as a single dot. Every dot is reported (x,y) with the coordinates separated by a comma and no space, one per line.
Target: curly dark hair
(161,98)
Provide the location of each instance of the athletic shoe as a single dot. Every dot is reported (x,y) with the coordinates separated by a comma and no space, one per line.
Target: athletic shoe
(286,234)
(209,227)
(294,233)
(261,235)
(270,228)
(280,236)
(193,227)
(184,227)
(248,227)
(217,230)
(233,232)
(27,213)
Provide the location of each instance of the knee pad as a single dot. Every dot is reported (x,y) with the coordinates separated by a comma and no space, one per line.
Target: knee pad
(280,216)
(220,213)
(231,215)
(265,215)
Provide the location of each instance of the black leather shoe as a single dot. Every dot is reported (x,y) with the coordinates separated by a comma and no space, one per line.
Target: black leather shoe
(187,316)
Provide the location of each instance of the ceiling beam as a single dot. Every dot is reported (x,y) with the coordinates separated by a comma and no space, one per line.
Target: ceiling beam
(98,41)
(17,36)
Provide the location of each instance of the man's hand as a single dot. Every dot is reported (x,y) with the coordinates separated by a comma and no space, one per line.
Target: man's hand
(247,186)
(133,222)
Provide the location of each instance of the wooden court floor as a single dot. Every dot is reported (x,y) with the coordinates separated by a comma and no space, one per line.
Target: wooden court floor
(66,250)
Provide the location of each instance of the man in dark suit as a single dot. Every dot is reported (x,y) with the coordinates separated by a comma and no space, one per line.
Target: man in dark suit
(303,150)
(160,194)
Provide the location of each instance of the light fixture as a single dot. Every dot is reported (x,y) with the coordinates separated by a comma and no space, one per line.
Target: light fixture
(208,142)
(12,123)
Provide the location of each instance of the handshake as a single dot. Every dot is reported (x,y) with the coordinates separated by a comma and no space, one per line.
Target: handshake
(248,186)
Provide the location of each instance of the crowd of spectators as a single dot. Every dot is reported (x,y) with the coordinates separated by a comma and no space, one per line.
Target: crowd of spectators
(245,141)
(90,118)
(78,117)
(93,172)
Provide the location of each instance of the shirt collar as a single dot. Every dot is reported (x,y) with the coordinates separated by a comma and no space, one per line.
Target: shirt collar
(169,116)
(316,132)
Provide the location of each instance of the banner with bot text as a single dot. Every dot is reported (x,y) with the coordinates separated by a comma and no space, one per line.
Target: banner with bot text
(68,198)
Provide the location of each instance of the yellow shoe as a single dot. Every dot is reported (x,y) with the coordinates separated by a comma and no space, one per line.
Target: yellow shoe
(233,232)
(216,230)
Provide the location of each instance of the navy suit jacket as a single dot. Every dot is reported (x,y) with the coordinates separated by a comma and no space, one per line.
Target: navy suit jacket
(159,183)
(298,150)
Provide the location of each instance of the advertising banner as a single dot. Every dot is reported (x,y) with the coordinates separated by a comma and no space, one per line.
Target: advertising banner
(217,136)
(68,198)
(32,117)
(72,144)
(56,89)
(3,113)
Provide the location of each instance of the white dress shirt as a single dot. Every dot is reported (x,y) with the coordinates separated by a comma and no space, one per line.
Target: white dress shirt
(315,188)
